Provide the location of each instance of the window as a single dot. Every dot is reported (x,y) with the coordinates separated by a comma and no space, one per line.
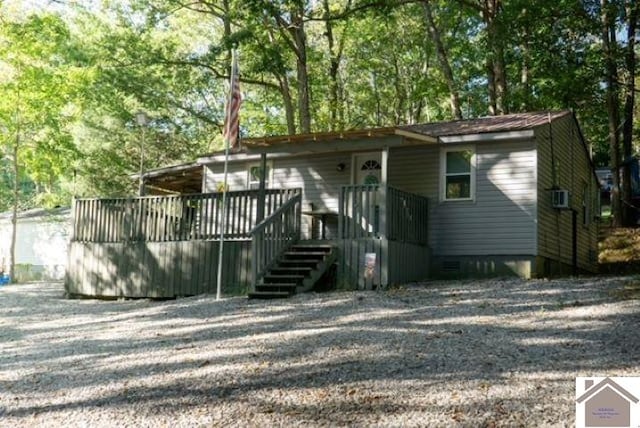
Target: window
(371,170)
(253,176)
(458,174)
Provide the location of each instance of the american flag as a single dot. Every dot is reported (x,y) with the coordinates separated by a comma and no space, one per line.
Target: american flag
(232,114)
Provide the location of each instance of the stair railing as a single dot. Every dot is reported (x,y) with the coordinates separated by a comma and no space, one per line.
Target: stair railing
(275,235)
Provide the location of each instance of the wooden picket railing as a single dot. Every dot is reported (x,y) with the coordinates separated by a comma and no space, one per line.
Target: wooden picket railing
(361,208)
(172,218)
(274,235)
(407,216)
(359,212)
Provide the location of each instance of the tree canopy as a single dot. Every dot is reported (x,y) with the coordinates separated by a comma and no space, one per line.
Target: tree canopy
(73,76)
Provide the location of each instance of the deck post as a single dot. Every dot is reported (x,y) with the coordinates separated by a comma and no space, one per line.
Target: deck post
(341,213)
(384,253)
(74,217)
(261,189)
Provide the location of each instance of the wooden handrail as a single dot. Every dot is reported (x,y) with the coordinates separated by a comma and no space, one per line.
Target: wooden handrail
(264,223)
(274,235)
(174,217)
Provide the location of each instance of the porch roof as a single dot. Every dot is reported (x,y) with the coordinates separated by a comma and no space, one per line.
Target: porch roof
(183,178)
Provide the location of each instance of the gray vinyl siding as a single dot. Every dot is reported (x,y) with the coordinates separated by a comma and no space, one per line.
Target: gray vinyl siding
(501,219)
(415,170)
(236,176)
(573,170)
(316,175)
(320,182)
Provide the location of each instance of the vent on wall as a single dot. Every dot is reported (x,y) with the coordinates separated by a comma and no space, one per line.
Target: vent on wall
(451,266)
(560,199)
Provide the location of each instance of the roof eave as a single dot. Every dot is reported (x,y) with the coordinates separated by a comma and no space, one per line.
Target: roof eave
(416,136)
(488,137)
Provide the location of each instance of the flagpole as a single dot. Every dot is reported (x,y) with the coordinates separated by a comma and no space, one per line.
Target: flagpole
(223,208)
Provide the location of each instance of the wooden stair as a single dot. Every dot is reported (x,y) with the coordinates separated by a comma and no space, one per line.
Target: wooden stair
(296,271)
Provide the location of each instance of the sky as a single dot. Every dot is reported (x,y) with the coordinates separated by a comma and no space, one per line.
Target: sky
(24,7)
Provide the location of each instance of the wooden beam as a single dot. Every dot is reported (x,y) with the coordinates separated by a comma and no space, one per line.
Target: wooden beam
(328,146)
(417,136)
(261,189)
(320,136)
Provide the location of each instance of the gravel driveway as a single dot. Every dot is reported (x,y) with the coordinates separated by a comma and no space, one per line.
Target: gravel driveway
(481,353)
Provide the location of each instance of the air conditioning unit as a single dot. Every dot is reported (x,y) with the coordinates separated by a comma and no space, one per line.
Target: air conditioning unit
(560,199)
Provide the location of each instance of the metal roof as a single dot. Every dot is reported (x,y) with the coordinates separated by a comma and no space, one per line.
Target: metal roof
(481,125)
(488,124)
(187,178)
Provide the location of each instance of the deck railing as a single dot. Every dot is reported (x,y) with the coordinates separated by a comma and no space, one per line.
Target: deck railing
(359,212)
(407,216)
(172,218)
(274,235)
(371,211)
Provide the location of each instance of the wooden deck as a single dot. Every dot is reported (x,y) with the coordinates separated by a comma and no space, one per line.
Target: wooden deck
(167,246)
(164,246)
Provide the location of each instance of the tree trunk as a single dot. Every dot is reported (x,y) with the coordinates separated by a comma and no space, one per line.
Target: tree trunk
(283,83)
(376,93)
(491,87)
(401,95)
(496,70)
(525,73)
(500,80)
(494,62)
(608,39)
(443,59)
(334,65)
(336,93)
(285,91)
(300,41)
(226,22)
(628,212)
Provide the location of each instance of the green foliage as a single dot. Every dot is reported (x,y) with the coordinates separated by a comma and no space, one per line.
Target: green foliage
(71,84)
(39,86)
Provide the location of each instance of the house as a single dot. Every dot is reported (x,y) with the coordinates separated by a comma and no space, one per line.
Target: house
(41,244)
(503,195)
(606,404)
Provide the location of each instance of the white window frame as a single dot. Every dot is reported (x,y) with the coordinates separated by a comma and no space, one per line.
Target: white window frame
(444,175)
(356,165)
(268,179)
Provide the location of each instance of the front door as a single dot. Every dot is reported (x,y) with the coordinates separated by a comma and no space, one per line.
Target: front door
(368,168)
